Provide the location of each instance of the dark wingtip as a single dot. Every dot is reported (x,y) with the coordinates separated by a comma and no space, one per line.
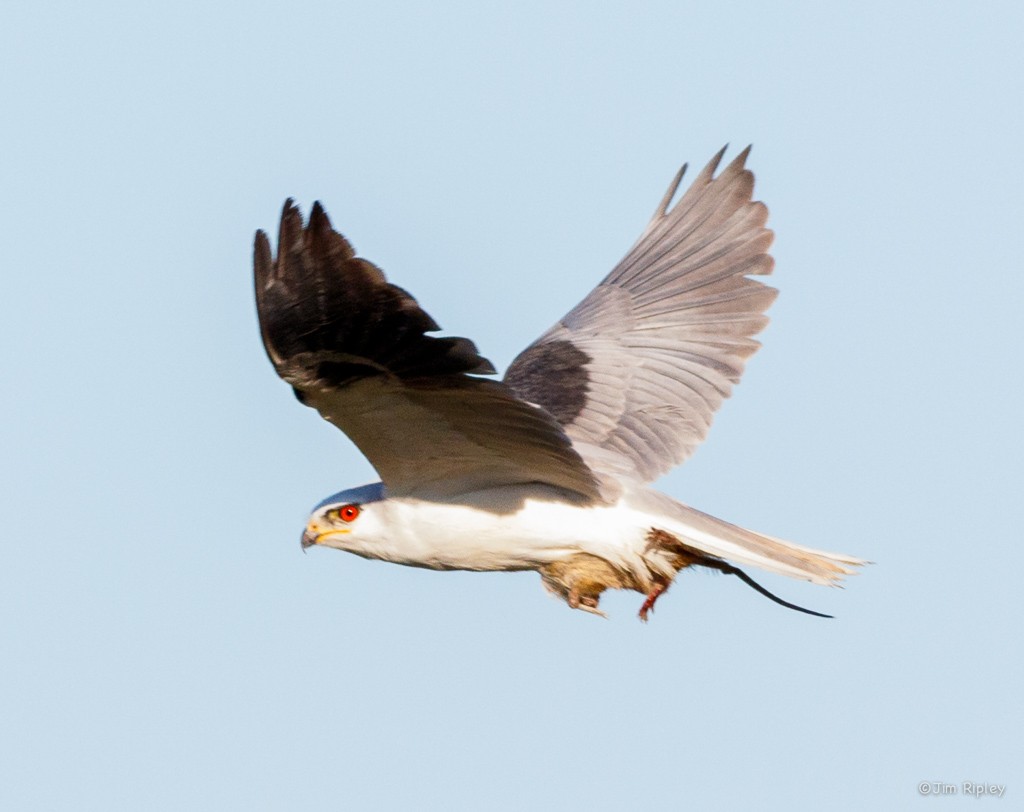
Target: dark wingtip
(330,246)
(262,259)
(317,298)
(318,219)
(737,165)
(707,174)
(673,187)
(291,226)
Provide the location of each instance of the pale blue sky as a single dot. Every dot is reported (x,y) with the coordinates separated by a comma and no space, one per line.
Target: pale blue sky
(165,643)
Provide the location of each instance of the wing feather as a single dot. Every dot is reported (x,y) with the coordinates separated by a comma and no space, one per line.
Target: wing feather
(356,348)
(660,343)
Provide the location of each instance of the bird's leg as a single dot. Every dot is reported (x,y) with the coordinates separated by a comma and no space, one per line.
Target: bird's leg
(588,603)
(659,587)
(580,579)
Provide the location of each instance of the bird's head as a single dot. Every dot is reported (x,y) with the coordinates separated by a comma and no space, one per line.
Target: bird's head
(346,520)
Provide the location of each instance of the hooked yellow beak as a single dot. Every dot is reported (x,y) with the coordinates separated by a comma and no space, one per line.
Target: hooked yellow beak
(315,532)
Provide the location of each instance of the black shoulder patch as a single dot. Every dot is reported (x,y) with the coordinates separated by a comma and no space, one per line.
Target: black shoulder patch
(553,375)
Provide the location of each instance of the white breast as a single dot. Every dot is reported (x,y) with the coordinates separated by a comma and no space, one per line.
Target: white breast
(507,529)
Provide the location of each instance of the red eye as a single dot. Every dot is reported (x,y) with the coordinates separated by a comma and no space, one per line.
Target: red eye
(349,513)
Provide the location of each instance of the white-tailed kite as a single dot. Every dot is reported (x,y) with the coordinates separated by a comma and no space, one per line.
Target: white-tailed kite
(545,470)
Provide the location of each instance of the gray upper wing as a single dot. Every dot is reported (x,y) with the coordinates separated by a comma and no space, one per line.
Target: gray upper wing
(636,371)
(356,348)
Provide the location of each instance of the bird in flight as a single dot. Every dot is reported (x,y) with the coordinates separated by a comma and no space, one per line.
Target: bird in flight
(547,469)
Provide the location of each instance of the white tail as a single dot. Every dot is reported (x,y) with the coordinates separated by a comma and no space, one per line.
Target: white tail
(720,539)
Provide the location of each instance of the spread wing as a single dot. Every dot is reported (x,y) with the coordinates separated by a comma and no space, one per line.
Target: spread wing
(356,348)
(636,371)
